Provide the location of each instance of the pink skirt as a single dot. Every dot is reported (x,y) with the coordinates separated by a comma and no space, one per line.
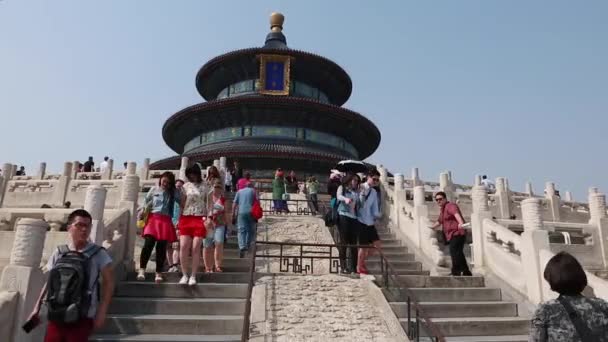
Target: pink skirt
(160,227)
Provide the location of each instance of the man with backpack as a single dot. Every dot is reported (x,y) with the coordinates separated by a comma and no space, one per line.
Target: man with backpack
(75,295)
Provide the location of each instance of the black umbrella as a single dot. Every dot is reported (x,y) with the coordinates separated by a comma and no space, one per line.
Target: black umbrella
(352,166)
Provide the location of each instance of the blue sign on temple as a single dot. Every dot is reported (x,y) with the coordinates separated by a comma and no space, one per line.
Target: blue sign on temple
(274,76)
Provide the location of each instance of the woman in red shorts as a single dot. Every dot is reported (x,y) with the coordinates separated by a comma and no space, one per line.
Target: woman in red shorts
(192,223)
(159,230)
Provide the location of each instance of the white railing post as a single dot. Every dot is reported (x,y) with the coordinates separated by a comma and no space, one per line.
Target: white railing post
(553,199)
(416,177)
(131,168)
(94,203)
(107,174)
(445,185)
(145,169)
(598,218)
(503,198)
(481,211)
(63,183)
(128,200)
(41,171)
(24,276)
(75,167)
(529,189)
(533,239)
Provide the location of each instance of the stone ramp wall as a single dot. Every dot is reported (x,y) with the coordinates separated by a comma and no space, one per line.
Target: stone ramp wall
(317,307)
(321,308)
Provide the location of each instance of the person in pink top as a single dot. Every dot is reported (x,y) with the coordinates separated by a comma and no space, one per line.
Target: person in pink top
(242,183)
(455,236)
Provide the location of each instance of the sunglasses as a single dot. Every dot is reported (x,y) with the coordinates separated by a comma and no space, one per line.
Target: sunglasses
(376,179)
(439,199)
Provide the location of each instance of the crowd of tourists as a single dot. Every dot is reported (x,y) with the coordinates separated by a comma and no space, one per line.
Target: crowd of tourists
(188,219)
(184,221)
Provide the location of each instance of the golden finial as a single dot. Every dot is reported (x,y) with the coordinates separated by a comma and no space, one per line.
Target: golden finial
(276,22)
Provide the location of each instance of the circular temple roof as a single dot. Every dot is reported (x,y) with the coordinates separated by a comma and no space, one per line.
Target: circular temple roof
(240,65)
(184,125)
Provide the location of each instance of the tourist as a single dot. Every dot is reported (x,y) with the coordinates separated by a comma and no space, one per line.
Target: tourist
(571,317)
(192,223)
(451,220)
(243,182)
(241,209)
(228,182)
(213,252)
(278,190)
(312,189)
(490,187)
(335,180)
(88,165)
(159,229)
(173,248)
(125,164)
(368,214)
(236,174)
(348,225)
(21,171)
(213,175)
(82,253)
(103,166)
(67,205)
(291,183)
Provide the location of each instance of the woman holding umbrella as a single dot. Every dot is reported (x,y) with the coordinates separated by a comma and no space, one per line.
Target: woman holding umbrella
(348,225)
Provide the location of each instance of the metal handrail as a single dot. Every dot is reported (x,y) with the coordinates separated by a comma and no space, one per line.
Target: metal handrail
(414,334)
(247,318)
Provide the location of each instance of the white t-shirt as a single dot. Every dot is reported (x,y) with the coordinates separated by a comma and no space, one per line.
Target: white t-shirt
(103,166)
(487,183)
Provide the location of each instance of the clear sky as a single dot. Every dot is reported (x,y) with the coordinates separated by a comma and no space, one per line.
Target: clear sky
(507,88)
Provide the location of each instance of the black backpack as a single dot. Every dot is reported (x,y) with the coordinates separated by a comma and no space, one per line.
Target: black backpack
(68,293)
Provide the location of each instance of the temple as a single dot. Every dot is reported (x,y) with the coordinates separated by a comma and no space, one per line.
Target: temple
(270,107)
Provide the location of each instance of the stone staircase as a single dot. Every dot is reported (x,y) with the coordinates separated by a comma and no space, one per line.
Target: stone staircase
(210,311)
(461,307)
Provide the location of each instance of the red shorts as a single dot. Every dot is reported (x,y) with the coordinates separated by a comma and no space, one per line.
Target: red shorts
(190,225)
(72,332)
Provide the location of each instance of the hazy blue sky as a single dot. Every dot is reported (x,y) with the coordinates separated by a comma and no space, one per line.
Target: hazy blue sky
(508,88)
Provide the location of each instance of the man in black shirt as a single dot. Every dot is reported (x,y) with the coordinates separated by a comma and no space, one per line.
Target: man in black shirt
(88,165)
(21,171)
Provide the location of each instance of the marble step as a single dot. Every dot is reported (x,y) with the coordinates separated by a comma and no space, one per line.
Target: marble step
(177,306)
(460,309)
(503,338)
(469,294)
(165,338)
(398,265)
(411,281)
(174,290)
(173,324)
(480,326)
(174,277)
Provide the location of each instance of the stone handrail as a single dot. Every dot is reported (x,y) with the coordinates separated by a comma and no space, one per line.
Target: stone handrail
(89,175)
(497,233)
(31,185)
